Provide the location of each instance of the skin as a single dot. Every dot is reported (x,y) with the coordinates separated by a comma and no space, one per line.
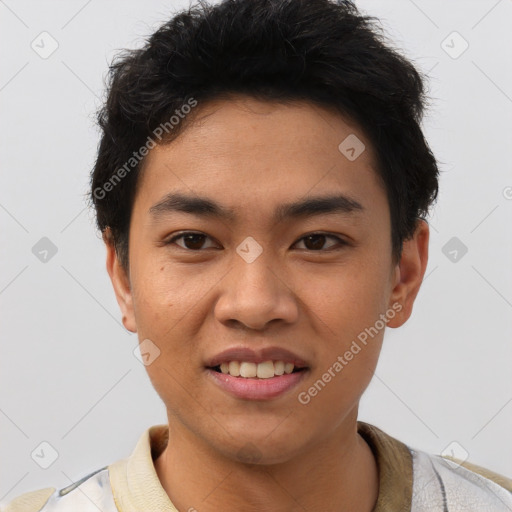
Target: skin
(252,156)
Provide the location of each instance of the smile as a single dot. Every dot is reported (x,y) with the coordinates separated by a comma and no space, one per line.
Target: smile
(250,386)
(264,370)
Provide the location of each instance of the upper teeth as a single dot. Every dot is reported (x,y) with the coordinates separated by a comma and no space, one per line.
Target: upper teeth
(264,370)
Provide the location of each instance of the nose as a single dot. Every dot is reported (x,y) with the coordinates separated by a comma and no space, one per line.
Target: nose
(255,294)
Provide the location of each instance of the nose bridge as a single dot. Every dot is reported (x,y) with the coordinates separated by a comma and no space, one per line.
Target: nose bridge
(254,292)
(256,277)
(253,263)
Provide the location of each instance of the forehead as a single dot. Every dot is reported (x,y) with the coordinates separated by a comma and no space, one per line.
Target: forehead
(246,151)
(247,124)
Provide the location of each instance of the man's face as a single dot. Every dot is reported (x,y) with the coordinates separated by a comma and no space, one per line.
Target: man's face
(308,282)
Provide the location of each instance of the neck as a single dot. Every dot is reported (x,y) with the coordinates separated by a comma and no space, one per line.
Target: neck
(340,473)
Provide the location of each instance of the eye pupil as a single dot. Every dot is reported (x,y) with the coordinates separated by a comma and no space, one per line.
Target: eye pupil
(193,240)
(318,242)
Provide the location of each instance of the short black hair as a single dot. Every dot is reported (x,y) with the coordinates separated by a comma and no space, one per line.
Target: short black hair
(321,51)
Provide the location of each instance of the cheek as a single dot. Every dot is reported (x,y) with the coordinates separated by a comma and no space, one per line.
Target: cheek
(347,299)
(346,310)
(163,308)
(162,296)
(339,382)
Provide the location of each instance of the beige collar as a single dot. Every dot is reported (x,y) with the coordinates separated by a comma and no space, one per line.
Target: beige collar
(136,486)
(394,461)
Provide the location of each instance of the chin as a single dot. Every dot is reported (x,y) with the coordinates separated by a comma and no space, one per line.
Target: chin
(260,446)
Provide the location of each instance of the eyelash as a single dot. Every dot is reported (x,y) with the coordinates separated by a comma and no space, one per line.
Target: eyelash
(181,235)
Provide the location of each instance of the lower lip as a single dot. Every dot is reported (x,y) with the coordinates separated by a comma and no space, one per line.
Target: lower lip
(257,389)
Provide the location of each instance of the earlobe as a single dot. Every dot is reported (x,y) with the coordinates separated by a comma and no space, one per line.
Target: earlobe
(409,273)
(120,282)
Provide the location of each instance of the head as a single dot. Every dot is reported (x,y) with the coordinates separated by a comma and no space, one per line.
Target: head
(261,184)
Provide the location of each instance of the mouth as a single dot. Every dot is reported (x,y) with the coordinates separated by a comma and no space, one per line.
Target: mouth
(248,373)
(250,370)
(265,380)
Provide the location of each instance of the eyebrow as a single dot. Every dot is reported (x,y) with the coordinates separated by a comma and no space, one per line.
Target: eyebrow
(205,207)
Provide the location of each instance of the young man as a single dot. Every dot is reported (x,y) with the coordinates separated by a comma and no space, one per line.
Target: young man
(262,185)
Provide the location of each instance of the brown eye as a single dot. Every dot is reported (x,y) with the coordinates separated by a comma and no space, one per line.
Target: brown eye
(316,241)
(191,241)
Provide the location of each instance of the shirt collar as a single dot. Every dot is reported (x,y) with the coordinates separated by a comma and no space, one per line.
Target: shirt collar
(394,462)
(136,486)
(135,483)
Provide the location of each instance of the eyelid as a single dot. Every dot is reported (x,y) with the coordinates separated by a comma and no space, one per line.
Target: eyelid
(340,241)
(181,234)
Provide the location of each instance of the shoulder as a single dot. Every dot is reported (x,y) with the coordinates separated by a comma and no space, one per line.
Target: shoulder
(501,480)
(445,483)
(29,502)
(416,481)
(91,493)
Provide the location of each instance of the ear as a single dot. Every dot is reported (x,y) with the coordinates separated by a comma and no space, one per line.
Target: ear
(120,282)
(409,273)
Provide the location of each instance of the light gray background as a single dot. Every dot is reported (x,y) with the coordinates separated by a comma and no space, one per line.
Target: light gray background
(68,373)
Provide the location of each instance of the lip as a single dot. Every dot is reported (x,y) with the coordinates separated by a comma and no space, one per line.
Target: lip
(256,356)
(257,389)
